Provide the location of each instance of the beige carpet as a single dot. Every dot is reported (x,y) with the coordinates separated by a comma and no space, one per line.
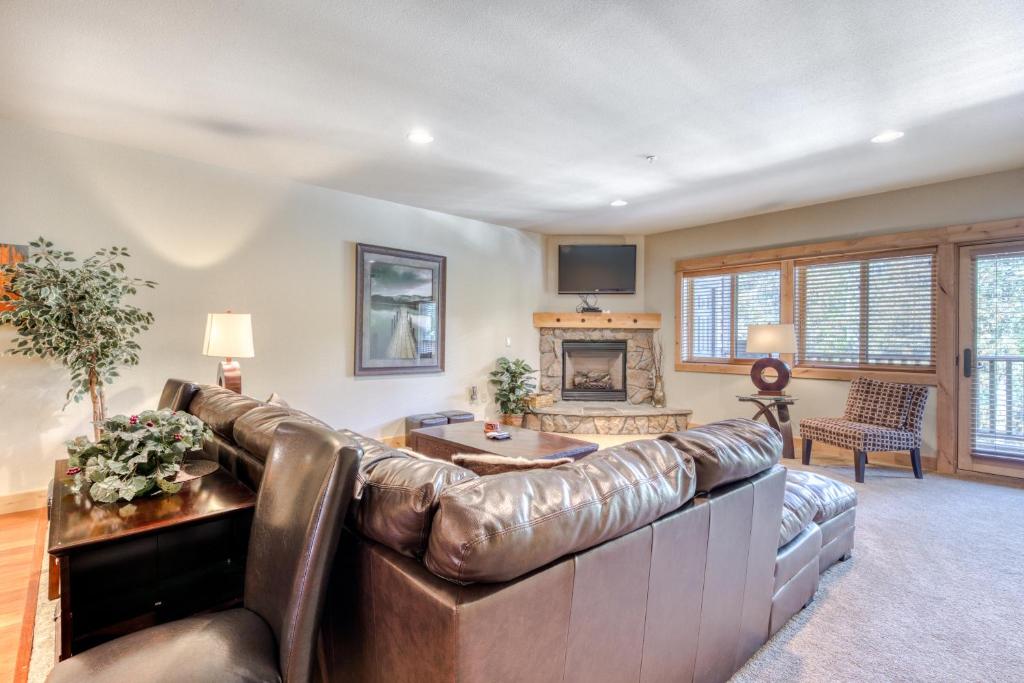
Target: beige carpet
(934,592)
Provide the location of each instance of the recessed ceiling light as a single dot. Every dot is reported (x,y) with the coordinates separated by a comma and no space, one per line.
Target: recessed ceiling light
(887,136)
(420,136)
(619,202)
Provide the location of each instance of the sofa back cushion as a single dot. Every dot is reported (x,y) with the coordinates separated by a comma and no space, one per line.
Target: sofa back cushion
(397,494)
(254,431)
(499,527)
(728,451)
(177,395)
(219,408)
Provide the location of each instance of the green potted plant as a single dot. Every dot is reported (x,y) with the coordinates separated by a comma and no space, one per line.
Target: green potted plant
(74,312)
(135,455)
(513,384)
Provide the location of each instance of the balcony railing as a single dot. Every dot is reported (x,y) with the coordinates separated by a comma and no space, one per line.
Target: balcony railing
(999,406)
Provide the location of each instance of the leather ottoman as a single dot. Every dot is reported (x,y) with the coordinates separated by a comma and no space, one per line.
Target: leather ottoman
(796,576)
(836,515)
(423,420)
(456,416)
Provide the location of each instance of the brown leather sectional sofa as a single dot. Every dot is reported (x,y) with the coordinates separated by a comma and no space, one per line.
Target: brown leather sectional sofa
(658,560)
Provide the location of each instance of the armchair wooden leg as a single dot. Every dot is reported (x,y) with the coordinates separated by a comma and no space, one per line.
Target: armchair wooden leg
(806,458)
(860,459)
(915,461)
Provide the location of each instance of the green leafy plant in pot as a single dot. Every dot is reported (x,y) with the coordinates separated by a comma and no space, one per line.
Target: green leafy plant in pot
(135,455)
(513,385)
(74,312)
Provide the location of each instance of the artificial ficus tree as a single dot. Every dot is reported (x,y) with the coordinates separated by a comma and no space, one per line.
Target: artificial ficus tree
(74,312)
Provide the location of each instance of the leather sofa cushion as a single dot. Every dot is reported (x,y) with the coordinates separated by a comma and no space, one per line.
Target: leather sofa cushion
(799,507)
(728,451)
(254,431)
(234,646)
(397,494)
(499,527)
(485,464)
(219,407)
(832,497)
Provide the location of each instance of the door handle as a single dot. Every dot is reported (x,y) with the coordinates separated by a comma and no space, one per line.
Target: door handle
(968,365)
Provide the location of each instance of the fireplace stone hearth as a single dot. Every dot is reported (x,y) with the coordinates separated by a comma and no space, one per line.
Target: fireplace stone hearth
(606,417)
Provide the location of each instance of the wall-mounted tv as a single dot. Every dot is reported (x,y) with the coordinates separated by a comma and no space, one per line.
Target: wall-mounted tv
(597,269)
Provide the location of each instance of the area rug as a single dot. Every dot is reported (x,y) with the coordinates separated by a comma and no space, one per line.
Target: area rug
(43,645)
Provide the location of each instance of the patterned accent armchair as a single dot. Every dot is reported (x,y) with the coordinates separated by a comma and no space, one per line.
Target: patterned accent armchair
(879,416)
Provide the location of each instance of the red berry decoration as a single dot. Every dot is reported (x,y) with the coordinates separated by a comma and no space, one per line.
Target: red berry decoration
(134,419)
(73,470)
(177,437)
(149,424)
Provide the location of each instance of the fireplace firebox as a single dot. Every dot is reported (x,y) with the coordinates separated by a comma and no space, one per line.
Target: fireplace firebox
(593,370)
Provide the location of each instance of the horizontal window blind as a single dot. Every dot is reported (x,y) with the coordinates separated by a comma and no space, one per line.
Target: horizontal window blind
(715,311)
(877,311)
(758,302)
(997,388)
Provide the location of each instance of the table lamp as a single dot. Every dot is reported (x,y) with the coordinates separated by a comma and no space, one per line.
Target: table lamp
(229,335)
(770,339)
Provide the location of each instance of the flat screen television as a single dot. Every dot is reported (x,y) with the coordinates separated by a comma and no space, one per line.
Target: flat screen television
(597,269)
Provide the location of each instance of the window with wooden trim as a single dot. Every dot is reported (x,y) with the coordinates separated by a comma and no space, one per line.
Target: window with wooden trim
(716,308)
(867,312)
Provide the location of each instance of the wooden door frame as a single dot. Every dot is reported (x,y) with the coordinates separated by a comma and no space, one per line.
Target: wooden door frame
(965,460)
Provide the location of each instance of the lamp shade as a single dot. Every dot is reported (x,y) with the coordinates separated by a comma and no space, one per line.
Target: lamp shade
(771,339)
(228,335)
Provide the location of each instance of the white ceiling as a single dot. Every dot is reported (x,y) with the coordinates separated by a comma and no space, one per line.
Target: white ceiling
(542,110)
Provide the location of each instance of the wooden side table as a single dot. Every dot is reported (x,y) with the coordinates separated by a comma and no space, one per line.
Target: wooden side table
(775,410)
(125,566)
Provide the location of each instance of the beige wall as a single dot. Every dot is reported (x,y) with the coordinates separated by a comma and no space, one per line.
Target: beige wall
(713,396)
(217,239)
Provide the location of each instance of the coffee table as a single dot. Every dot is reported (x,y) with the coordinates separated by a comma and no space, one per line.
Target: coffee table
(445,441)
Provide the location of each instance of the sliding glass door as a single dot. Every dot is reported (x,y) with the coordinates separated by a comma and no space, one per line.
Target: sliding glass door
(991,392)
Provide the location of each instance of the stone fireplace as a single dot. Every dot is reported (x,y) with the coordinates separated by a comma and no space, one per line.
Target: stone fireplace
(599,369)
(638,377)
(594,370)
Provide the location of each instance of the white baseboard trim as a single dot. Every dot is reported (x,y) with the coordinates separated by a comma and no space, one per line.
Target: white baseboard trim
(23,500)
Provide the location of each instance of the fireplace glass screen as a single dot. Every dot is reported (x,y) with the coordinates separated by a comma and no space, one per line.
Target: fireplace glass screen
(594,370)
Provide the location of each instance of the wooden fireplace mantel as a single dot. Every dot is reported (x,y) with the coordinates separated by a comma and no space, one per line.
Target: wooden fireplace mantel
(620,321)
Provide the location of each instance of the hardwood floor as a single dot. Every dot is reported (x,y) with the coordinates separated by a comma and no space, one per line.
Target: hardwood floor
(22,537)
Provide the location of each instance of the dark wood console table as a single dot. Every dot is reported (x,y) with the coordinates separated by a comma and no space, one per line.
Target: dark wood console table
(125,566)
(775,410)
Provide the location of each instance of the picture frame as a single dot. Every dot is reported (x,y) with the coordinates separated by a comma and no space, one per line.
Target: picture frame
(10,254)
(400,311)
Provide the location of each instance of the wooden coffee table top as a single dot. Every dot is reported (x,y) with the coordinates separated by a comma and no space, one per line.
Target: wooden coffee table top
(468,437)
(77,521)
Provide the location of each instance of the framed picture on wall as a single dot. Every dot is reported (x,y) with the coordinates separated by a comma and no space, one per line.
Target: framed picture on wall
(400,298)
(9,255)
